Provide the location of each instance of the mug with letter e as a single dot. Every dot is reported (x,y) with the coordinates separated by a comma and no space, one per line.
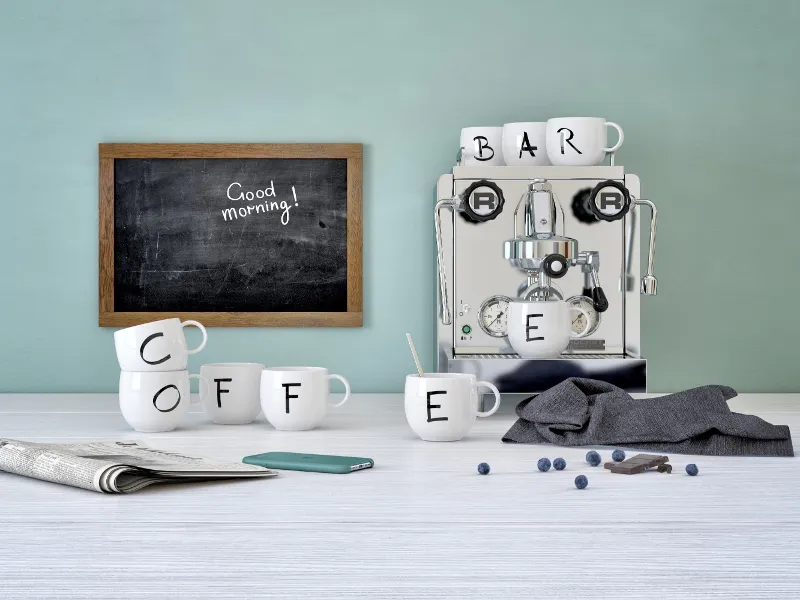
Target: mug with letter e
(233,396)
(482,146)
(156,346)
(155,401)
(442,407)
(296,398)
(542,328)
(580,141)
(525,144)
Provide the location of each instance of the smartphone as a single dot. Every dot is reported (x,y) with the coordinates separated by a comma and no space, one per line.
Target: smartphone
(318,463)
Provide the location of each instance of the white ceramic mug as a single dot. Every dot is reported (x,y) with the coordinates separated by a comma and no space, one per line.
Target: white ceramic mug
(296,398)
(156,346)
(580,141)
(233,397)
(482,146)
(541,329)
(525,144)
(442,407)
(153,401)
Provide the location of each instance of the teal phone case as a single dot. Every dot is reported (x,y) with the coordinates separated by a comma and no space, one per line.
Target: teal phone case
(318,463)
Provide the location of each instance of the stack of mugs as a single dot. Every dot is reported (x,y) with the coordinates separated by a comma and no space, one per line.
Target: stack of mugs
(154,383)
(565,141)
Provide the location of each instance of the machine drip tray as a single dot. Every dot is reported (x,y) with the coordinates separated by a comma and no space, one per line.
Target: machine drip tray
(581,356)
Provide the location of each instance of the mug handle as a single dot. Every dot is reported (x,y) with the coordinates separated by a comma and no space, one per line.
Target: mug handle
(616,146)
(204,381)
(496,393)
(205,335)
(574,335)
(346,389)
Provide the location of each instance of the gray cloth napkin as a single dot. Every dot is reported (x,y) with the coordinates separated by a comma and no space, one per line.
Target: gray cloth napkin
(579,412)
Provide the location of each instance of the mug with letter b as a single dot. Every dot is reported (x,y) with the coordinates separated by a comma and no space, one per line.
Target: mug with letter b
(542,328)
(296,398)
(442,407)
(156,346)
(482,146)
(580,141)
(153,401)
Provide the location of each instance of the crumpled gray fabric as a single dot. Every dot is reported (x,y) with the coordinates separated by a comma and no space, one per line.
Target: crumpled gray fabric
(580,412)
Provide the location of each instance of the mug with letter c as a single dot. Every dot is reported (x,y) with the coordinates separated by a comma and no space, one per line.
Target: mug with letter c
(442,407)
(233,397)
(542,328)
(296,398)
(580,141)
(156,346)
(156,401)
(482,146)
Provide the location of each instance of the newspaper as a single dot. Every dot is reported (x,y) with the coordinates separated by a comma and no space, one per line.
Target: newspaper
(114,467)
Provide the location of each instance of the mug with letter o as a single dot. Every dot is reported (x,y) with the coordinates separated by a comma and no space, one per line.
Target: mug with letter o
(541,328)
(442,407)
(482,146)
(296,398)
(155,401)
(525,144)
(156,346)
(233,397)
(580,141)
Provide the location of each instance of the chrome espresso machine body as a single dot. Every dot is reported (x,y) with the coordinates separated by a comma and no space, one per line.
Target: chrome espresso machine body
(542,232)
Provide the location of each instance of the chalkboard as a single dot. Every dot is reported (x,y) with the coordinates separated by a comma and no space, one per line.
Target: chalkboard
(231,234)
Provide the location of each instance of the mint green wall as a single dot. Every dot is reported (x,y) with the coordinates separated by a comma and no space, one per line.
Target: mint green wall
(707,92)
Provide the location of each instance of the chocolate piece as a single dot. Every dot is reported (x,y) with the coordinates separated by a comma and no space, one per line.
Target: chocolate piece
(637,464)
(665,468)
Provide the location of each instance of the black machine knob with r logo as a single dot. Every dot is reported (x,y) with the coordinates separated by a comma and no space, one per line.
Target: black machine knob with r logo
(483,201)
(609,200)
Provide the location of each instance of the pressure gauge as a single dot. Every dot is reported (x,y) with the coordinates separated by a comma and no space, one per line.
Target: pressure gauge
(493,316)
(578,319)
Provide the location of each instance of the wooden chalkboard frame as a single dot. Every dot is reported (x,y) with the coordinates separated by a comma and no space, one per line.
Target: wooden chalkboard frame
(353,317)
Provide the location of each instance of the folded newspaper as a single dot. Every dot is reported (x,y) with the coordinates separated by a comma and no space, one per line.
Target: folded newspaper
(114,467)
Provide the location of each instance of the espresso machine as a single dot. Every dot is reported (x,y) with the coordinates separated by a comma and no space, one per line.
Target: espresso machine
(538,233)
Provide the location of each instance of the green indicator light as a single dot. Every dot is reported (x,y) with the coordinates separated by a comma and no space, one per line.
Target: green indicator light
(466,329)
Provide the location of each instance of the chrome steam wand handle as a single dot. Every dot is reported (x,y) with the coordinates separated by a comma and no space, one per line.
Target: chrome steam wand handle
(649,285)
(451,203)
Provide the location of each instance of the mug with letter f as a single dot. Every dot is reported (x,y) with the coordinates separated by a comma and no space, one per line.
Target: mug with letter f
(296,398)
(442,407)
(580,141)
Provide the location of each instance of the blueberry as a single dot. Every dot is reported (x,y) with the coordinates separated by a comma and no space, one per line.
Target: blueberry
(483,468)
(593,458)
(692,469)
(581,482)
(559,464)
(543,465)
(618,455)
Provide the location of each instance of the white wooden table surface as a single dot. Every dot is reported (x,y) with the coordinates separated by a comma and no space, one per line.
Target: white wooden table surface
(421,524)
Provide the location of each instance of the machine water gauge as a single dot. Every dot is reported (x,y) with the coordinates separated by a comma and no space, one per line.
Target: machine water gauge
(578,320)
(493,316)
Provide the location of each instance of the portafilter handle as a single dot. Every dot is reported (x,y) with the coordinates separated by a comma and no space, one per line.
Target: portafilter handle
(452,204)
(649,285)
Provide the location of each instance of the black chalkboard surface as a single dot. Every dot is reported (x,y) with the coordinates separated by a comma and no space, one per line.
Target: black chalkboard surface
(242,235)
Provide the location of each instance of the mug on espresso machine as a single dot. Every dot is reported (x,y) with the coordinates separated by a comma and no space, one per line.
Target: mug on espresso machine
(538,270)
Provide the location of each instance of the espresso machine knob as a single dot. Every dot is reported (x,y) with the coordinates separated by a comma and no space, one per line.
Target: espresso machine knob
(555,266)
(599,300)
(483,201)
(580,207)
(609,200)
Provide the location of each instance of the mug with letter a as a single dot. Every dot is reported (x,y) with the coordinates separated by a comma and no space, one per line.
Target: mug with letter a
(542,328)
(482,146)
(156,346)
(155,401)
(442,407)
(580,141)
(296,398)
(525,144)
(233,397)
